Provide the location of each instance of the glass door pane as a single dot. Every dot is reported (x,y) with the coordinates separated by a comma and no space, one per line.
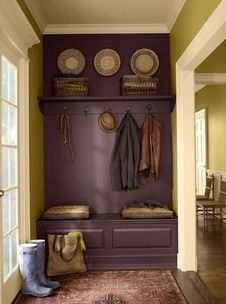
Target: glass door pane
(9,166)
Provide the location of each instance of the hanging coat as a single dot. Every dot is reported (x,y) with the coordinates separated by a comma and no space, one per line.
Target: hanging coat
(150,148)
(126,155)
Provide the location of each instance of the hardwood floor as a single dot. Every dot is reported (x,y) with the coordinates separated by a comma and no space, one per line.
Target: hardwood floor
(211,244)
(194,290)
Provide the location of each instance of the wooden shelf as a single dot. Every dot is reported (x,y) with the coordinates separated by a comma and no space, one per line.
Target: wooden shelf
(73,99)
(103,98)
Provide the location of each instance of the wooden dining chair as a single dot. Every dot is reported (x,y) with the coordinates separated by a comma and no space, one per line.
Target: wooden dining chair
(209,207)
(208,193)
(209,189)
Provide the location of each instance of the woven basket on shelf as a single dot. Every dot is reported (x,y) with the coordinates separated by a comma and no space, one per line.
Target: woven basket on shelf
(133,85)
(71,86)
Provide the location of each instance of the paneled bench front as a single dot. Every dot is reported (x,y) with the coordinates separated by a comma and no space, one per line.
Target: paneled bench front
(116,243)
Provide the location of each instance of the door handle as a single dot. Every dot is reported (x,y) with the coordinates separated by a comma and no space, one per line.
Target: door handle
(1,193)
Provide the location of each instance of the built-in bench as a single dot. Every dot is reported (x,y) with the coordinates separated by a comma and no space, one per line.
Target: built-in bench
(116,243)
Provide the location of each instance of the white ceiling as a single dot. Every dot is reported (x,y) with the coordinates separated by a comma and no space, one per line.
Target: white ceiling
(75,16)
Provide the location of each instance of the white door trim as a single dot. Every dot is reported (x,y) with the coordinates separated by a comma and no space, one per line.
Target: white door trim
(208,38)
(23,100)
(21,63)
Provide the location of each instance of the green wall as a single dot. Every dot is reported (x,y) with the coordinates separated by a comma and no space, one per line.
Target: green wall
(36,126)
(36,137)
(216,62)
(192,17)
(213,98)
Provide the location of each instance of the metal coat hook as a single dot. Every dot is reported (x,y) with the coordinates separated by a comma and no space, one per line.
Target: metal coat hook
(64,109)
(86,110)
(128,109)
(149,107)
(107,109)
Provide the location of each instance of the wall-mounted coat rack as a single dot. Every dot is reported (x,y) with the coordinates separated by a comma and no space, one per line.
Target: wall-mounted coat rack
(87,110)
(159,104)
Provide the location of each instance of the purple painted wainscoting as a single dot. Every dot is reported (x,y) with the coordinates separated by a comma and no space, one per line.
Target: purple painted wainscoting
(116,243)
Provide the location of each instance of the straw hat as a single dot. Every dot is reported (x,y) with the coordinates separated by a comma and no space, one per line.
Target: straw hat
(107,121)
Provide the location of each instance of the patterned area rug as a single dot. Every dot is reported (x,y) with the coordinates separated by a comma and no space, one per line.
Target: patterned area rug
(117,287)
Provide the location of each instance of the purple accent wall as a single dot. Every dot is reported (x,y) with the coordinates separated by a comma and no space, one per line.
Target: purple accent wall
(89,45)
(87,179)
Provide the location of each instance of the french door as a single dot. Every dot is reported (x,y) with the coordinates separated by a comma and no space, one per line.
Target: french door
(201,151)
(9,175)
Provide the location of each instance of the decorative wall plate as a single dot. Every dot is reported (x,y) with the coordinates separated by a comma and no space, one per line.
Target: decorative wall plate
(107,62)
(144,62)
(71,61)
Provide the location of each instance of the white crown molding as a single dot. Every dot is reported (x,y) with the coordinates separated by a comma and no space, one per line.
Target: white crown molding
(210,78)
(35,12)
(204,79)
(174,13)
(15,27)
(105,28)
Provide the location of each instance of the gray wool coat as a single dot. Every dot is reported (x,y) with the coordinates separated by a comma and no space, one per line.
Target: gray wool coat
(126,154)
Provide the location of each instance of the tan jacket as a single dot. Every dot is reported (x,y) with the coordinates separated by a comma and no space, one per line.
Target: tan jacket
(150,148)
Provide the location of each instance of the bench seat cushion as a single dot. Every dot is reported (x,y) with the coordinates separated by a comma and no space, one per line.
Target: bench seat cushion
(67,212)
(146,212)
